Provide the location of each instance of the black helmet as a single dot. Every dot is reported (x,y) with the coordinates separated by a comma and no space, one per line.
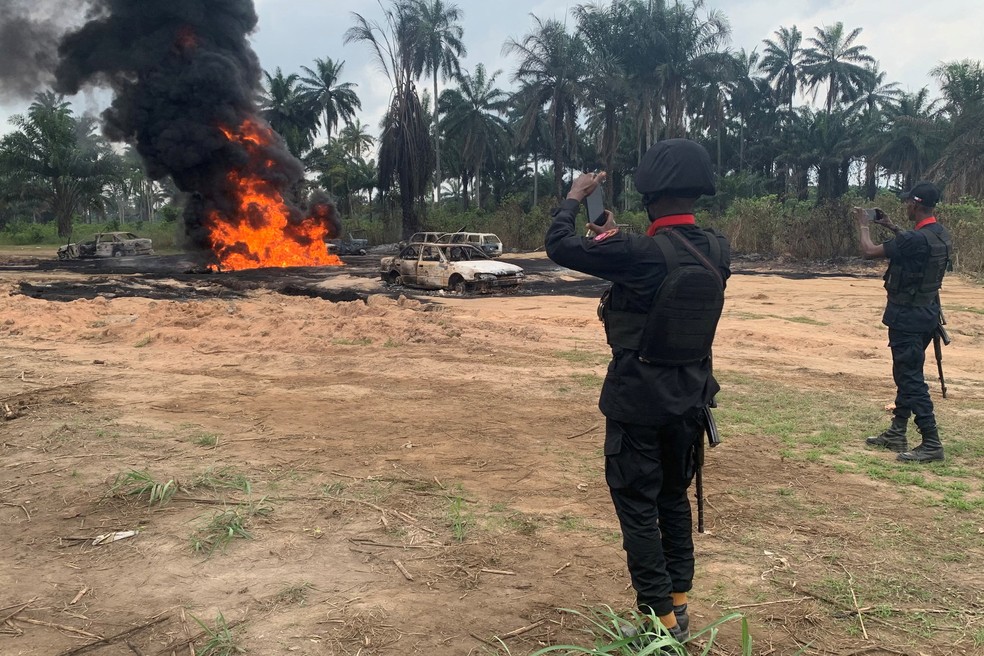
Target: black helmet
(678,167)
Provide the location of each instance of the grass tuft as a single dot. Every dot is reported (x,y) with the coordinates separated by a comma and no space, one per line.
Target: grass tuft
(228,525)
(138,484)
(220,639)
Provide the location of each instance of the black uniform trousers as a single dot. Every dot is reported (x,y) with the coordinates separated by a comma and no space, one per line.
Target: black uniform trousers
(648,470)
(908,362)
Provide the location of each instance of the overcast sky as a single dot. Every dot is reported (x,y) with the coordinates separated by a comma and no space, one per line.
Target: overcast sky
(908,38)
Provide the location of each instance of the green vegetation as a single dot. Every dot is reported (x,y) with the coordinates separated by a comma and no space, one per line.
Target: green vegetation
(293,594)
(827,426)
(220,640)
(228,525)
(364,341)
(208,440)
(141,484)
(589,358)
(460,520)
(224,478)
(588,91)
(647,637)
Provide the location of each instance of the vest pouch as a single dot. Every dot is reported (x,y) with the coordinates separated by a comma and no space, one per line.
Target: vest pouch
(680,327)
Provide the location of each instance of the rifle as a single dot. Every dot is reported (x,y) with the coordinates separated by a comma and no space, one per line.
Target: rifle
(941,338)
(713,439)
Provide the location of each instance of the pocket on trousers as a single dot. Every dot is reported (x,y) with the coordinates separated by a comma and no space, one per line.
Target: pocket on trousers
(613,438)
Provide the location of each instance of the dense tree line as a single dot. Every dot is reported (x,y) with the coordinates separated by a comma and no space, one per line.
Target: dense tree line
(597,93)
(801,116)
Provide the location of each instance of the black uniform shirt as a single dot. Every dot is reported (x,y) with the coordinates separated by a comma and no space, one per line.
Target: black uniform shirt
(636,392)
(912,249)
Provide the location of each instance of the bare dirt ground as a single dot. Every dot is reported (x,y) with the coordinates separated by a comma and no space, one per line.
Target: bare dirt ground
(422,473)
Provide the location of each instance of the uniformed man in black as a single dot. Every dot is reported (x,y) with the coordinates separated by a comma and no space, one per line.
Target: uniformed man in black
(653,409)
(917,262)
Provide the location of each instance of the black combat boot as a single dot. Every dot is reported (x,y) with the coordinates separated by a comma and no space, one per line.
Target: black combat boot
(893,438)
(930,450)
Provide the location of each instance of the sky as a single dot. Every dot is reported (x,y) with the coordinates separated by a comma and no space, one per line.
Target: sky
(908,38)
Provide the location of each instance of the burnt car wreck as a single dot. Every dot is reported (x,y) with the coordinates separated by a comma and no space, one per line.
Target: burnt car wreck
(107,244)
(456,267)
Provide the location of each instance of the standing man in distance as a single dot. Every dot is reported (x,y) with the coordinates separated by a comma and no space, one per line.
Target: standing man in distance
(658,380)
(917,261)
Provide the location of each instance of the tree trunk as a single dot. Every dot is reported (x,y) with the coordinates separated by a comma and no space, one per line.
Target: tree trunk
(558,162)
(478,185)
(437,144)
(536,181)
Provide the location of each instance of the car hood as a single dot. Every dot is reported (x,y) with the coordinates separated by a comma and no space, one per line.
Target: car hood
(488,266)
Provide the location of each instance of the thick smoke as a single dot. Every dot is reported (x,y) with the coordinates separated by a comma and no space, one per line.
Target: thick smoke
(29,35)
(182,71)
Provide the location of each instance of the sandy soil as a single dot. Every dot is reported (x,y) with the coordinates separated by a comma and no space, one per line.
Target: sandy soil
(425,472)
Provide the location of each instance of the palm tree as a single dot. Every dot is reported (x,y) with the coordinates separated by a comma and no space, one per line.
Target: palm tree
(914,139)
(781,62)
(474,116)
(606,91)
(532,131)
(835,60)
(439,47)
(57,159)
(355,139)
(551,69)
(290,112)
(962,161)
(693,53)
(336,100)
(405,152)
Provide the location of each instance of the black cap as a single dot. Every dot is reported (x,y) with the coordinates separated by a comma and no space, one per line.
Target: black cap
(678,167)
(925,193)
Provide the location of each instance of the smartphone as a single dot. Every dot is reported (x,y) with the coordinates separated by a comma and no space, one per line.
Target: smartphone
(595,205)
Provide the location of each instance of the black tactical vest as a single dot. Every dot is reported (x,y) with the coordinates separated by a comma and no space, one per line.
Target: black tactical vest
(679,328)
(916,282)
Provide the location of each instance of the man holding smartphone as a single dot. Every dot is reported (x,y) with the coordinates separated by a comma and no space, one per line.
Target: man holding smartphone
(659,379)
(917,261)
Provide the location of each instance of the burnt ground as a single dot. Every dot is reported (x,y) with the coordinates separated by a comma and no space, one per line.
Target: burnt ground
(421,473)
(179,277)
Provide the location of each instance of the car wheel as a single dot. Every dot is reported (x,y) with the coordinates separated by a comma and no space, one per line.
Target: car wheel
(362,251)
(457,284)
(117,253)
(395,278)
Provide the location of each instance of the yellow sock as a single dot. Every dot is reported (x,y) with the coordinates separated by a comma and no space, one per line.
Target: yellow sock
(679,598)
(668,620)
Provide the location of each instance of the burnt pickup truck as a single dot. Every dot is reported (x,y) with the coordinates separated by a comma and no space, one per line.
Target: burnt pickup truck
(107,244)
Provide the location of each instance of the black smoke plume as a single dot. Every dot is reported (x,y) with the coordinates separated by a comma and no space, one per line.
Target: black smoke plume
(29,35)
(182,72)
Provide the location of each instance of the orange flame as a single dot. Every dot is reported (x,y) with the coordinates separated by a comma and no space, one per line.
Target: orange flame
(262,233)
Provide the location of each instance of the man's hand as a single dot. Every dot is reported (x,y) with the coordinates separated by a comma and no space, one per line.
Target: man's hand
(585,184)
(861,217)
(883,220)
(602,229)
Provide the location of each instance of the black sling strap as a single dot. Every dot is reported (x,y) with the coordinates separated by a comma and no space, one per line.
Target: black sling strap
(712,242)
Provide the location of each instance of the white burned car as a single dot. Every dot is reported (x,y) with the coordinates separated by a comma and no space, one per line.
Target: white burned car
(107,244)
(458,267)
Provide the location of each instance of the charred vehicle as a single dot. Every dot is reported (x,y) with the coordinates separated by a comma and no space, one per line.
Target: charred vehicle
(488,242)
(356,243)
(107,244)
(457,267)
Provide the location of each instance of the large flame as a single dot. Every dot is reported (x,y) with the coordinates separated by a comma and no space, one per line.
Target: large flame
(263,233)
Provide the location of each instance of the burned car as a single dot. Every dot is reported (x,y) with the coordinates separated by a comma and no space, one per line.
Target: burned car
(107,244)
(356,243)
(458,267)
